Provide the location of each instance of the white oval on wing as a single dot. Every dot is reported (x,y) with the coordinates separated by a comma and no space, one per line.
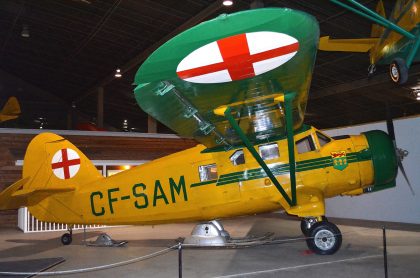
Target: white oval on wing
(237,57)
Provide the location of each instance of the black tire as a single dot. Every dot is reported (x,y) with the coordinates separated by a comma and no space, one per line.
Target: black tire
(66,239)
(304,227)
(398,71)
(324,238)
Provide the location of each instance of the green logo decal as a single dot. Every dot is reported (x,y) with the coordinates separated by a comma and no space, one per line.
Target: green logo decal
(339,160)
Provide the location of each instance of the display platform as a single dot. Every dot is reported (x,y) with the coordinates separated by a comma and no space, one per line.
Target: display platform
(361,254)
(36,265)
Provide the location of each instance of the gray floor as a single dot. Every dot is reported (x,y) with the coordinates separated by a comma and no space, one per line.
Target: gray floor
(360,255)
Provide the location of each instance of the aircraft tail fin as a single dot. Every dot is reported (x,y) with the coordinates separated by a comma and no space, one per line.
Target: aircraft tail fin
(51,165)
(377,29)
(11,110)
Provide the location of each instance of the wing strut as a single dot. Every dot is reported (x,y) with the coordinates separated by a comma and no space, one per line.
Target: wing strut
(287,99)
(190,111)
(371,15)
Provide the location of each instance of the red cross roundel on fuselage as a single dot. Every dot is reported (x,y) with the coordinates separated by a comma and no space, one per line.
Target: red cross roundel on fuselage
(65,163)
(237,57)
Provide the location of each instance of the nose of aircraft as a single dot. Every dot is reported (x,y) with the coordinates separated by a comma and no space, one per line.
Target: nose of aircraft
(384,159)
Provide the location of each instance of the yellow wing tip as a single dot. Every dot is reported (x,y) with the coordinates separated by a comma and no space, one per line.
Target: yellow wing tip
(346,45)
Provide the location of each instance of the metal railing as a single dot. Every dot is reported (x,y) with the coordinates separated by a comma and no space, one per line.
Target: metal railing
(29,224)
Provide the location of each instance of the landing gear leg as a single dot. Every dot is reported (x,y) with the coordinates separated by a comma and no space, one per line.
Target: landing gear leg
(324,238)
(307,223)
(67,238)
(371,70)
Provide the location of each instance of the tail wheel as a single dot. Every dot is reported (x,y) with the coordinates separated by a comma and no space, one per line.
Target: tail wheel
(324,238)
(398,71)
(66,239)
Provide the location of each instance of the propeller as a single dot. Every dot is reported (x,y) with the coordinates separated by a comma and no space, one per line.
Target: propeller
(400,153)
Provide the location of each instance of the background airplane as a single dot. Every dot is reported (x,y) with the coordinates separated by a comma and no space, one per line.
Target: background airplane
(10,111)
(239,85)
(394,41)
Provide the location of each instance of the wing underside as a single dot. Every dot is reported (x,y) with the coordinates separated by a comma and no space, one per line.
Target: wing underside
(186,103)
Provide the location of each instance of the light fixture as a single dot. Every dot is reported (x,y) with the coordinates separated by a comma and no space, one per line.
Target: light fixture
(25,31)
(416,93)
(227,3)
(118,73)
(125,125)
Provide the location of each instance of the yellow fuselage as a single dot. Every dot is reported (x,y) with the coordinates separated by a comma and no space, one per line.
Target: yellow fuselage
(170,189)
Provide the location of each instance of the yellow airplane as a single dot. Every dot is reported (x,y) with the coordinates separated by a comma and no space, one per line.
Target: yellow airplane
(394,41)
(10,111)
(239,85)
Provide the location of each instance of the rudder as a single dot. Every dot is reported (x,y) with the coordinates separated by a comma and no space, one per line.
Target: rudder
(53,163)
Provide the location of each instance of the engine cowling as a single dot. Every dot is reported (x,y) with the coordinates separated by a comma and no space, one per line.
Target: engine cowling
(384,160)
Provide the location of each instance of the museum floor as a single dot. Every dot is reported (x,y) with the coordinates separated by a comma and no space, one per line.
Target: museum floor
(359,256)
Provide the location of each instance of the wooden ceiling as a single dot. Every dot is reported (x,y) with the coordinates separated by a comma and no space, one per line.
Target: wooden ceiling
(75,46)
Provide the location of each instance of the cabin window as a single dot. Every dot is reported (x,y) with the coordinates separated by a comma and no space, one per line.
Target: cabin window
(208,172)
(238,158)
(270,151)
(323,140)
(305,145)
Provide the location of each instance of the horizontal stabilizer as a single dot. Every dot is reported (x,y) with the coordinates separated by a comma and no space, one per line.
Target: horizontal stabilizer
(7,198)
(15,196)
(346,45)
(26,192)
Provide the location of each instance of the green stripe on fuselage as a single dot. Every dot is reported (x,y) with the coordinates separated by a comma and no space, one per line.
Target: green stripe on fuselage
(281,169)
(203,183)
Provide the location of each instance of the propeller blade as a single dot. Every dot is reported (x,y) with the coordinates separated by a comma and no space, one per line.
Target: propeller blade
(390,124)
(400,165)
(400,156)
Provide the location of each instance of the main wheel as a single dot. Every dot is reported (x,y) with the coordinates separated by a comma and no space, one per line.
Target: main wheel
(324,238)
(66,239)
(398,71)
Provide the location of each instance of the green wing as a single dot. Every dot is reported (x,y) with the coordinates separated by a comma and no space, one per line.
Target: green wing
(188,107)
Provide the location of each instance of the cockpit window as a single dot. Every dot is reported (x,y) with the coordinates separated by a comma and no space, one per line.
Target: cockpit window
(270,151)
(323,140)
(238,158)
(208,172)
(305,145)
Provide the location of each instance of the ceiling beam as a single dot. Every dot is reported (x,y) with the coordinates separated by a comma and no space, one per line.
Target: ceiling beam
(358,84)
(211,9)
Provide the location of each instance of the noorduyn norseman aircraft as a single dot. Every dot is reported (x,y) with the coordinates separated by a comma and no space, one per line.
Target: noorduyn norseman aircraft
(239,85)
(394,41)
